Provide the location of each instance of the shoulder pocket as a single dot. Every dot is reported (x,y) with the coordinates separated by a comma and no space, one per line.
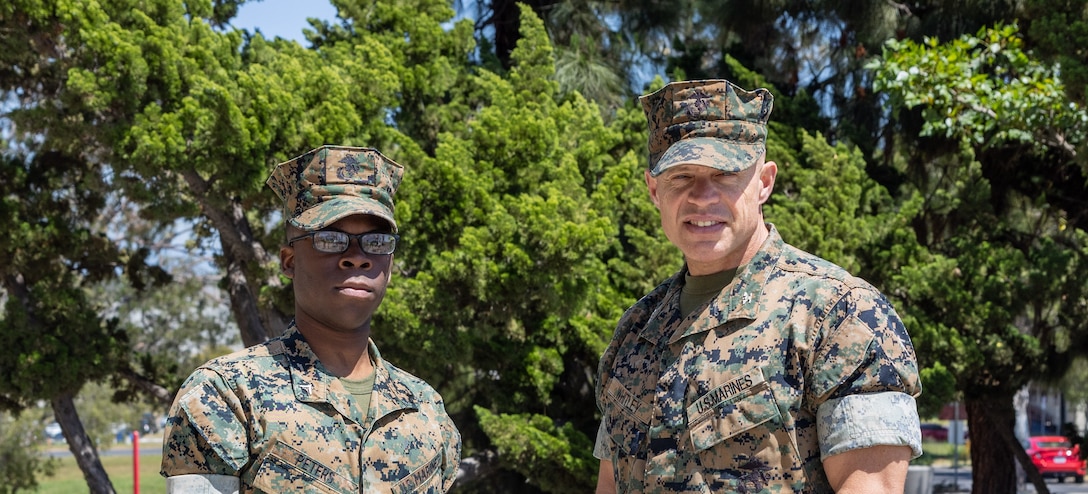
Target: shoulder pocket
(730,409)
(211,416)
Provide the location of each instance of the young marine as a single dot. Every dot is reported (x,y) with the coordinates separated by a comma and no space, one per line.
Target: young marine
(757,367)
(318,409)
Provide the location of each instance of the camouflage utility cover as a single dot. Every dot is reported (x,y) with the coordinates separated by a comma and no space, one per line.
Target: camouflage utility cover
(711,122)
(794,361)
(332,182)
(273,416)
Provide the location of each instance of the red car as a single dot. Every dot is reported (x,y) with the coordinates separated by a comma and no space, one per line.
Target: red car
(1055,456)
(934,432)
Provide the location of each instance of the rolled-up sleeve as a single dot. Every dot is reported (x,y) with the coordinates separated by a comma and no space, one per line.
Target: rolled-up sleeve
(602,447)
(867,420)
(865,379)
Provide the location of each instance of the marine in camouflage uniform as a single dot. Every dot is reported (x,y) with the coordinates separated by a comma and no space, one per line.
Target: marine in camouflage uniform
(273,418)
(792,362)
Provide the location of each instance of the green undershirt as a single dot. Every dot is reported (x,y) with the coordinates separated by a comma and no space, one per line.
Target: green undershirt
(361,390)
(698,290)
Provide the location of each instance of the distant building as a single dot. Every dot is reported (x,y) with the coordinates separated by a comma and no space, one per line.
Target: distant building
(1047,411)
(1040,410)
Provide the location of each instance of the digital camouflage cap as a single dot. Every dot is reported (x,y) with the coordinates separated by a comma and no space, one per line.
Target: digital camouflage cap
(332,182)
(708,122)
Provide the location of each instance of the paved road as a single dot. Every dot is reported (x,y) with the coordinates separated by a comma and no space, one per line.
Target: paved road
(959,480)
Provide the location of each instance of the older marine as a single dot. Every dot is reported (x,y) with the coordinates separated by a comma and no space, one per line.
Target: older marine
(757,367)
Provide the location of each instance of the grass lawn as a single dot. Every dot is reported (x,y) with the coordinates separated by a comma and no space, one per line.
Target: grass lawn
(69,479)
(942,455)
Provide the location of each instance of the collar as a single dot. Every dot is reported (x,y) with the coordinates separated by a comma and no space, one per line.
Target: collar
(740,299)
(313,383)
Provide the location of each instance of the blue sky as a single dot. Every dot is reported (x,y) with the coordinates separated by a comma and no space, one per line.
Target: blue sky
(283,18)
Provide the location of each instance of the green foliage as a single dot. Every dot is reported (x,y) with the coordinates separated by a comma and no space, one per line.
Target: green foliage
(1054,28)
(554,458)
(21,459)
(171,328)
(58,346)
(526,224)
(827,205)
(984,89)
(56,338)
(526,235)
(104,418)
(983,308)
(1072,384)
(989,298)
(939,383)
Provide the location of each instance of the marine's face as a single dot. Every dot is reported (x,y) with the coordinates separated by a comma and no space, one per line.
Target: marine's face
(337,292)
(714,217)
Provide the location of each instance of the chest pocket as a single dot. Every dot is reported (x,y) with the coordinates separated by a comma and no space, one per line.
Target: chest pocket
(732,408)
(426,479)
(285,469)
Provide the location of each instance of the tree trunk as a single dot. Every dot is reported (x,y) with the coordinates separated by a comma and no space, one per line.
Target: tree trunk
(506,20)
(64,410)
(242,253)
(243,304)
(995,449)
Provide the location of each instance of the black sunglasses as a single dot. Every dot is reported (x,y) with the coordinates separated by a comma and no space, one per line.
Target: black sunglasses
(333,242)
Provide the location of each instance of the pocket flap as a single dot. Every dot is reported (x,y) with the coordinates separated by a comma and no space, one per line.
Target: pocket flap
(730,409)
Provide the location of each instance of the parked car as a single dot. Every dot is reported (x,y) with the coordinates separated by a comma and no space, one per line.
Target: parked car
(122,432)
(53,432)
(934,432)
(1056,456)
(148,424)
